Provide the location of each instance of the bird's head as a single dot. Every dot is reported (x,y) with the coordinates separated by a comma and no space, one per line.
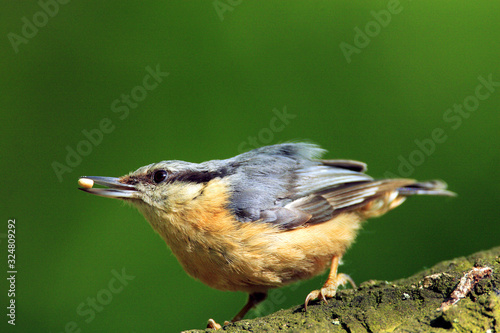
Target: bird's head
(156,189)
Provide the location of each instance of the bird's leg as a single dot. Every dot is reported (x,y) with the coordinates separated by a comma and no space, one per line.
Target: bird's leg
(330,287)
(253,300)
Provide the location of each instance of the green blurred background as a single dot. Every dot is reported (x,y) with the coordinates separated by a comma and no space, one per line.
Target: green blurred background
(230,64)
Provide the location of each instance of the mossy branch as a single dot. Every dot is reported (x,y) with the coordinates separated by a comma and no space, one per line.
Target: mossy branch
(408,305)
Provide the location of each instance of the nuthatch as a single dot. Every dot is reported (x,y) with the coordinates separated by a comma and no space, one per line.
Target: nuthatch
(263,219)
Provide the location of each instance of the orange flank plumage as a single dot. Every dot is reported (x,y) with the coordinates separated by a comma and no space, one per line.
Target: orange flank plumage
(251,257)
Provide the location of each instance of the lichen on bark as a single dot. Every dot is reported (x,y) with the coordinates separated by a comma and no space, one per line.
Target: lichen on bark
(406,305)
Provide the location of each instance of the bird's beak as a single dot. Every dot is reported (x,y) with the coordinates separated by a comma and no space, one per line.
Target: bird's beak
(114,189)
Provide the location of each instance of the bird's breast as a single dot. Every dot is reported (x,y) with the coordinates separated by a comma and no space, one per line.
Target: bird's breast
(226,254)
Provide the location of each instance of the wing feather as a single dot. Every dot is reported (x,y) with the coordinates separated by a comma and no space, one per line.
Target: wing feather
(285,186)
(328,203)
(346,164)
(323,177)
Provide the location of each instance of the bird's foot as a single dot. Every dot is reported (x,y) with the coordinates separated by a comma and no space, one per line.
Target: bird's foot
(214,325)
(329,289)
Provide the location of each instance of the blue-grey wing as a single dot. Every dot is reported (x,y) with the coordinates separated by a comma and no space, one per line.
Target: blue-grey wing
(288,186)
(280,184)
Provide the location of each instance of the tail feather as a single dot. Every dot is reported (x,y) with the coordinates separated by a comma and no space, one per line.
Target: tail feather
(388,199)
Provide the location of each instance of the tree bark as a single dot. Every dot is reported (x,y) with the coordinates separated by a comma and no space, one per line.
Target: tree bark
(420,303)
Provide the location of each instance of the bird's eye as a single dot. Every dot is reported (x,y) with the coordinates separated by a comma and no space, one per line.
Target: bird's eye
(159,176)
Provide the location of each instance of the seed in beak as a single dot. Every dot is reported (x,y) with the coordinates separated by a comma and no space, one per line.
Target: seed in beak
(85,182)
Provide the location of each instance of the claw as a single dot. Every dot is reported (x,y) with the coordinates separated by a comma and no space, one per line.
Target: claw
(324,298)
(330,287)
(312,295)
(323,292)
(213,325)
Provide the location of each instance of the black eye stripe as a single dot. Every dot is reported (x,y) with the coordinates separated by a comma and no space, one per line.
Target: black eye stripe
(160,176)
(197,176)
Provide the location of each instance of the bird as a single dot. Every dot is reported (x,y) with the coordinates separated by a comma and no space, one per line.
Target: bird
(263,219)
